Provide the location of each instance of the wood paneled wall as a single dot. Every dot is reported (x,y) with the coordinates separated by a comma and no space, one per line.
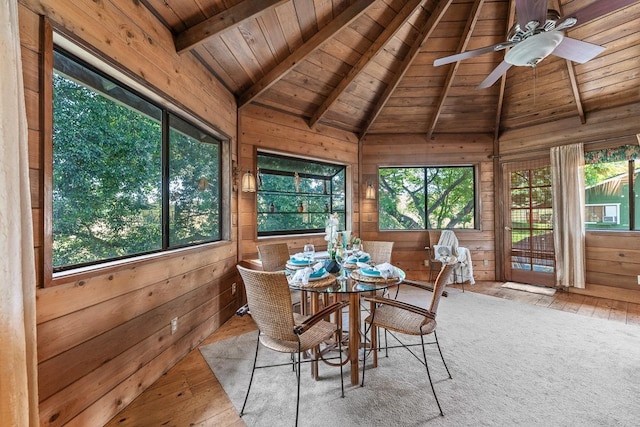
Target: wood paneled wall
(104,334)
(416,150)
(264,129)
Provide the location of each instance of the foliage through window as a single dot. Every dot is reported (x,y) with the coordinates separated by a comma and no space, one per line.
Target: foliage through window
(612,199)
(297,195)
(421,198)
(111,198)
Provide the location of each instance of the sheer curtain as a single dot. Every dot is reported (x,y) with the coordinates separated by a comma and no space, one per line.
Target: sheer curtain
(18,367)
(567,170)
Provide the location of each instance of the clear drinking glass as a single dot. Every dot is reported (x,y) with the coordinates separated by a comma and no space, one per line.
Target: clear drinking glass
(340,260)
(309,252)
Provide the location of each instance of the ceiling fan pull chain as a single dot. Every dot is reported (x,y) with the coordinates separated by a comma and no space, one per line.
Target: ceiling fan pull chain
(535,81)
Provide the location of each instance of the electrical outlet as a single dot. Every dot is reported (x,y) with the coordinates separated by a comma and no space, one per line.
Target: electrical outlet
(485,263)
(426,263)
(233,288)
(174,325)
(638,279)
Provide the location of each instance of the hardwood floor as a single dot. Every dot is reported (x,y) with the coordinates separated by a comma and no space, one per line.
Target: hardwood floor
(190,395)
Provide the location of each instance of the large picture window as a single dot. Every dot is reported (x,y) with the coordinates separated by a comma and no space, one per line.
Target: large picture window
(612,199)
(421,198)
(129,177)
(298,195)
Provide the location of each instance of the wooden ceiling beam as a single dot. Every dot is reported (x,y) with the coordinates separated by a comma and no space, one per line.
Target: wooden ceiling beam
(426,31)
(572,77)
(379,43)
(453,68)
(318,39)
(511,18)
(230,18)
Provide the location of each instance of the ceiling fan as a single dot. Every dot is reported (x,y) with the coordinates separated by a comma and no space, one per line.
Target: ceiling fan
(538,33)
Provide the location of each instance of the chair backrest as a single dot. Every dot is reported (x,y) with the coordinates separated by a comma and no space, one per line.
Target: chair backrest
(434,237)
(448,238)
(274,256)
(441,281)
(379,251)
(269,301)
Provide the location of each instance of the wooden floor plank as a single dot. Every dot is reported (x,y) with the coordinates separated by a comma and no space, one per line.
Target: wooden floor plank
(602,308)
(190,395)
(618,311)
(588,306)
(633,314)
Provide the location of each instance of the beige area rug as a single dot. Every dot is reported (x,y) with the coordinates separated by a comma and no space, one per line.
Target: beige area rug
(530,288)
(512,364)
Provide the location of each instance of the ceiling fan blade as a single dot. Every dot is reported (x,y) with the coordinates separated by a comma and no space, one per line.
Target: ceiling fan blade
(531,10)
(471,53)
(495,75)
(577,50)
(595,10)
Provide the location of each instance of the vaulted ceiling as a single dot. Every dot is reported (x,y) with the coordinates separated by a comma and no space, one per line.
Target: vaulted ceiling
(366,66)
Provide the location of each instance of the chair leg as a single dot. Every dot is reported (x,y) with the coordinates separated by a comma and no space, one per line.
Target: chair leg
(435,335)
(298,392)
(364,363)
(253,370)
(424,355)
(340,352)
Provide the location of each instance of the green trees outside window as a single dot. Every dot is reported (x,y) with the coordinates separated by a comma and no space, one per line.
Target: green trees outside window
(110,196)
(297,195)
(419,198)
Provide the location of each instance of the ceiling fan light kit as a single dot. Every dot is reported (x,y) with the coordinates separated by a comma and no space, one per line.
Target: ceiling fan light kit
(534,49)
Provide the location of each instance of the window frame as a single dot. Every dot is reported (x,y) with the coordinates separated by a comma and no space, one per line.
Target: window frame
(343,214)
(631,195)
(476,195)
(149,94)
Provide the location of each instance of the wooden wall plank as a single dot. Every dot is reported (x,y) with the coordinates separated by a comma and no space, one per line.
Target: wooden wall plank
(91,347)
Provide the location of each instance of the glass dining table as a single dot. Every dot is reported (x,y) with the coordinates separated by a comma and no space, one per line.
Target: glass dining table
(351,284)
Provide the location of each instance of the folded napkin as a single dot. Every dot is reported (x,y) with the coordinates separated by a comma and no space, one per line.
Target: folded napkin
(385,270)
(299,258)
(352,259)
(303,275)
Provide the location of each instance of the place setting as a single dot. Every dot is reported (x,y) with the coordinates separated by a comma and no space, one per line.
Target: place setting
(302,260)
(311,276)
(379,273)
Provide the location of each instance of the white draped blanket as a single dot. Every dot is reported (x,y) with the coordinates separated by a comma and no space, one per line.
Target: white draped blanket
(463,270)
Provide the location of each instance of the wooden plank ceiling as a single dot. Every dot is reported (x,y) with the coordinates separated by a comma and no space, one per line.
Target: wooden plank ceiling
(366,66)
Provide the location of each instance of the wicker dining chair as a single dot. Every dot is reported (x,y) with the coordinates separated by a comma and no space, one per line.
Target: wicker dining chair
(403,318)
(379,251)
(282,330)
(274,256)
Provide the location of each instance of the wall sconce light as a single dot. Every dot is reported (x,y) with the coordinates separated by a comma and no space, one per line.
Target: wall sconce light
(248,182)
(370,193)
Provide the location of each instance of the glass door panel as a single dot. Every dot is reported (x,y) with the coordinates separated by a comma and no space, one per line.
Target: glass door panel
(529,224)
